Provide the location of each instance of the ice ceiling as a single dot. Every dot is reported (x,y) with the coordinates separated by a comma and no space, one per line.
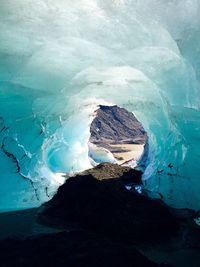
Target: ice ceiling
(61,58)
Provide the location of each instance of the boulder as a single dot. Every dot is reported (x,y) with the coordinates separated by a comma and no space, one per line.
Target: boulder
(105,206)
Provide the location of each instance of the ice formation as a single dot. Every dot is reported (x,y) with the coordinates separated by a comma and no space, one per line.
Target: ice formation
(60,58)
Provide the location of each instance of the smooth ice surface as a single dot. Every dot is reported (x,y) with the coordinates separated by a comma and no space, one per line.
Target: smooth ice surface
(60,58)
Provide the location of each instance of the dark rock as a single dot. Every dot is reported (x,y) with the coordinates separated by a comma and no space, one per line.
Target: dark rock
(106,207)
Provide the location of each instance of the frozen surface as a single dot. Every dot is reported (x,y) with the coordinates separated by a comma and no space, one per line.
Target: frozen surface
(60,58)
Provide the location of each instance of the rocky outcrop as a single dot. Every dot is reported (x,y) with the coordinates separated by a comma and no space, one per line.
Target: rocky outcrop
(106,207)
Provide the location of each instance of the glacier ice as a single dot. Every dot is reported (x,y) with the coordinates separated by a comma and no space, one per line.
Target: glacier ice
(60,58)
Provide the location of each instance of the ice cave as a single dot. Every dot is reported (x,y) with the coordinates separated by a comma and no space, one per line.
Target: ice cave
(60,59)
